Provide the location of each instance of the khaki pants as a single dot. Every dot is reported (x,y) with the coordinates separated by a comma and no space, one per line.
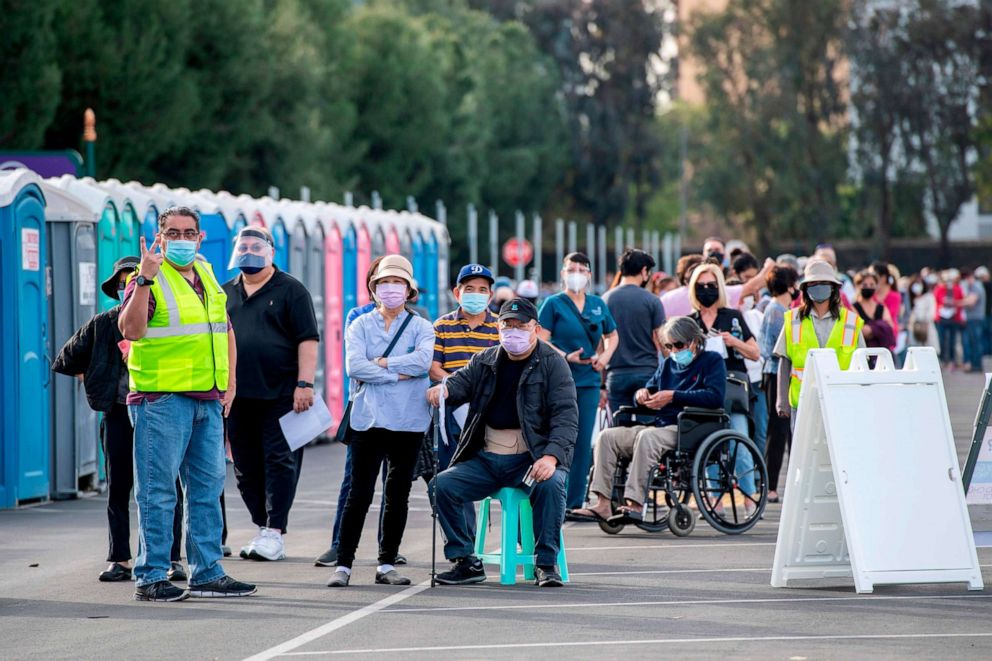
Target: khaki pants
(642,445)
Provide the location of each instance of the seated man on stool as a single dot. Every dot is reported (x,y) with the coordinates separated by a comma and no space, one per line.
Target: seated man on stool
(522,418)
(689,376)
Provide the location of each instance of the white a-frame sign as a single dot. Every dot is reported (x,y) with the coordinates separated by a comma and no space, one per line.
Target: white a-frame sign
(874,489)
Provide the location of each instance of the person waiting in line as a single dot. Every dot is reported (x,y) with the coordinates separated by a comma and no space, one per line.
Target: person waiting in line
(276,330)
(528,290)
(887,293)
(709,299)
(783,286)
(522,419)
(923,310)
(639,317)
(661,284)
(821,323)
(97,355)
(689,376)
(182,365)
(974,320)
(502,292)
(745,267)
(574,323)
(389,353)
(458,336)
(878,327)
(677,302)
(949,298)
(715,250)
(329,557)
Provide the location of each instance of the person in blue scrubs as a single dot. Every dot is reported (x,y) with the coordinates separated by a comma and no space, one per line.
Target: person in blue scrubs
(580,327)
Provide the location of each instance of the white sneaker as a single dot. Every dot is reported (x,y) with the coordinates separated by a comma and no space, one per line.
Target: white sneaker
(247,550)
(267,546)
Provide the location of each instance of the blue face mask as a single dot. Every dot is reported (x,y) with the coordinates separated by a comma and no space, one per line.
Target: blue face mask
(181,253)
(474,303)
(684,357)
(251,264)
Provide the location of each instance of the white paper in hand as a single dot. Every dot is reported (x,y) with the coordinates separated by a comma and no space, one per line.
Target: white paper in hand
(718,345)
(301,428)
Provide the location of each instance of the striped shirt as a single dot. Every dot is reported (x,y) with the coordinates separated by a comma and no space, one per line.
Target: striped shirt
(455,342)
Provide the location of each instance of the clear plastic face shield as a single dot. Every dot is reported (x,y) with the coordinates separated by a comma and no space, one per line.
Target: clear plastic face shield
(252,252)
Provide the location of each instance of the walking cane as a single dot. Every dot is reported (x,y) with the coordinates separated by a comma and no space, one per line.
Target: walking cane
(435,435)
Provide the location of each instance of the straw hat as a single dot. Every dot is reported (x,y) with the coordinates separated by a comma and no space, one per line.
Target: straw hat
(817,270)
(395,266)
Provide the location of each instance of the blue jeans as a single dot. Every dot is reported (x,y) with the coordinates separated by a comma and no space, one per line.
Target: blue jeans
(974,343)
(744,465)
(760,418)
(621,386)
(948,331)
(484,475)
(445,453)
(178,436)
(578,475)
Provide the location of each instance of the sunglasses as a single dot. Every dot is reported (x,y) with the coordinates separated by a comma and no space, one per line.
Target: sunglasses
(706,285)
(678,346)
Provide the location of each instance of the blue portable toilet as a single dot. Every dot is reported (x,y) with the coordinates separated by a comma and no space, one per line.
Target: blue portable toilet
(431,278)
(236,215)
(271,213)
(25,374)
(75,427)
(419,255)
(349,279)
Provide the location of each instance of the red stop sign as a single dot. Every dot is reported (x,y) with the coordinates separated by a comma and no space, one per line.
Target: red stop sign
(517,252)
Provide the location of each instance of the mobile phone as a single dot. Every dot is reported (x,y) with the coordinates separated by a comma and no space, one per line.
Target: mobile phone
(528,477)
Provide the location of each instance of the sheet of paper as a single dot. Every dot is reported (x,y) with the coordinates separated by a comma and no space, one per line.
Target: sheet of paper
(718,345)
(301,428)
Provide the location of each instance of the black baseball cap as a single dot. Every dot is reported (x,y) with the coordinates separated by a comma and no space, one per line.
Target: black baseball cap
(518,308)
(109,286)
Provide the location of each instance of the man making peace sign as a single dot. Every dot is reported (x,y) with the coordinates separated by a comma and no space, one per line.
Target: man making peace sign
(181,369)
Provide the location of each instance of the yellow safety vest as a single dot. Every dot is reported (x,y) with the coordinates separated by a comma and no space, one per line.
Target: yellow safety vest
(800,337)
(185,347)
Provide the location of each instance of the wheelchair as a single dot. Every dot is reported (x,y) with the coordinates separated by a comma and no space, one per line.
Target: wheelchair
(704,466)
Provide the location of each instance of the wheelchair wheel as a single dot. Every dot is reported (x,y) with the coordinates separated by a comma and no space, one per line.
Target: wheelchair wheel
(730,482)
(681,521)
(611,528)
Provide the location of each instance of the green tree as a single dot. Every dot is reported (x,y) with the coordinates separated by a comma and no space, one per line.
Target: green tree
(30,76)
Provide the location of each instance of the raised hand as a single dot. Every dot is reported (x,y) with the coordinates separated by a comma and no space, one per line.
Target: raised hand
(151,258)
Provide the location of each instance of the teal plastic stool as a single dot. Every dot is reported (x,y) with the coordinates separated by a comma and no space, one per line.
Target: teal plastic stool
(517,517)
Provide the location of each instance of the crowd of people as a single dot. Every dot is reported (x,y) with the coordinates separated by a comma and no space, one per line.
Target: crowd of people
(186,366)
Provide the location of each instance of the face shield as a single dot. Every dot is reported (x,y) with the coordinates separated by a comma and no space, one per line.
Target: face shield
(252,252)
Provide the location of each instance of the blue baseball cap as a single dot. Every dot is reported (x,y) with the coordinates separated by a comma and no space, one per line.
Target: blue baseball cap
(470,271)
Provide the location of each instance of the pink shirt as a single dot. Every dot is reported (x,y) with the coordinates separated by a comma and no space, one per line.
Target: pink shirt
(676,302)
(893,302)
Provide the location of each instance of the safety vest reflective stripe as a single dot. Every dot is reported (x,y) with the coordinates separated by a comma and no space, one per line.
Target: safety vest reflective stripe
(797,327)
(797,373)
(850,337)
(185,329)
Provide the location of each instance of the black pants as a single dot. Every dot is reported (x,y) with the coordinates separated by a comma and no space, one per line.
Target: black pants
(118,451)
(368,450)
(266,469)
(779,433)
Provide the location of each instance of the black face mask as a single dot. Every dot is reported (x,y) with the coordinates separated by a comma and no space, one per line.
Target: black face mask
(819,293)
(707,296)
(718,256)
(867,292)
(794,294)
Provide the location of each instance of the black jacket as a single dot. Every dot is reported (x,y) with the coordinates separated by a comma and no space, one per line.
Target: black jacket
(546,403)
(92,351)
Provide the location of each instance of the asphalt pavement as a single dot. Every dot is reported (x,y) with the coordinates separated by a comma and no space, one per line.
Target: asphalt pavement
(632,595)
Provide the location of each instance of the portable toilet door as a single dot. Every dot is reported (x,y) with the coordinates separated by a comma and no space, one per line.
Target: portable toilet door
(75,454)
(216,245)
(332,331)
(298,251)
(432,272)
(362,265)
(349,291)
(314,281)
(419,257)
(393,246)
(281,241)
(378,243)
(129,224)
(25,366)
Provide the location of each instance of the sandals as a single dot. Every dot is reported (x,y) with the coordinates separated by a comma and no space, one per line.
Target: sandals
(581,517)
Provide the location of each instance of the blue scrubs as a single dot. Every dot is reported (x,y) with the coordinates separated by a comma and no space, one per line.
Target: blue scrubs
(571,330)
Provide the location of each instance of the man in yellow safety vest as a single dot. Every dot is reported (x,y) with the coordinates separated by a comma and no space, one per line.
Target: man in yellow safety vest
(181,363)
(820,322)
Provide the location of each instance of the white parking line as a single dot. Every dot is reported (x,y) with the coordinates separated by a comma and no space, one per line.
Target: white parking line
(683,602)
(635,547)
(653,641)
(634,572)
(334,625)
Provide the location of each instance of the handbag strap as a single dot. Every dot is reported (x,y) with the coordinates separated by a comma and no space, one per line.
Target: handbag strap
(399,333)
(582,322)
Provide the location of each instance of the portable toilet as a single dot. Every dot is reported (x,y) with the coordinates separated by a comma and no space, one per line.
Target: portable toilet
(75,427)
(378,236)
(237,215)
(145,205)
(25,364)
(418,253)
(128,219)
(349,282)
(433,269)
(332,331)
(271,214)
(441,289)
(392,235)
(362,261)
(107,230)
(296,231)
(314,277)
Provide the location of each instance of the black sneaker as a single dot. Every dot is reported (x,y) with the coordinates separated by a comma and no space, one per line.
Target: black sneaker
(328,558)
(226,550)
(547,577)
(115,572)
(465,571)
(399,560)
(225,586)
(161,591)
(176,572)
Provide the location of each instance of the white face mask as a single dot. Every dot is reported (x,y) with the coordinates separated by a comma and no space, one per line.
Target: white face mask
(576,281)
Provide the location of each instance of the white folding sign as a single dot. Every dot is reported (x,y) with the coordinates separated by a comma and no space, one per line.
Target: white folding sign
(874,490)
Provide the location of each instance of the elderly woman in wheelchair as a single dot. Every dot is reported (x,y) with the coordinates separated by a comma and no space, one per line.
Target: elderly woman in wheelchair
(676,442)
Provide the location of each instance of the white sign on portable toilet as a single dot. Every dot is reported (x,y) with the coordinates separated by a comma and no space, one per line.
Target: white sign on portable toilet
(874,491)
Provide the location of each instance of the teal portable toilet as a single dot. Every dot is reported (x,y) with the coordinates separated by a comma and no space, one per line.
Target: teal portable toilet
(433,268)
(236,215)
(75,427)
(349,280)
(128,220)
(25,364)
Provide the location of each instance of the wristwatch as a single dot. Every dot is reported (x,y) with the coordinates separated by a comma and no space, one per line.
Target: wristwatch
(304,384)
(142,281)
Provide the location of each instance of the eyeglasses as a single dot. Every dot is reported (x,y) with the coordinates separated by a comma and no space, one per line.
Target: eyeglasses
(678,346)
(174,235)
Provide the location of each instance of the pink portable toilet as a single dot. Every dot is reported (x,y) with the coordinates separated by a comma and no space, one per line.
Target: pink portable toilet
(393,246)
(363,262)
(333,320)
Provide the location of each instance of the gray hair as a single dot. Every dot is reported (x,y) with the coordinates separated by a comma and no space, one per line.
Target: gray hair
(684,330)
(178,211)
